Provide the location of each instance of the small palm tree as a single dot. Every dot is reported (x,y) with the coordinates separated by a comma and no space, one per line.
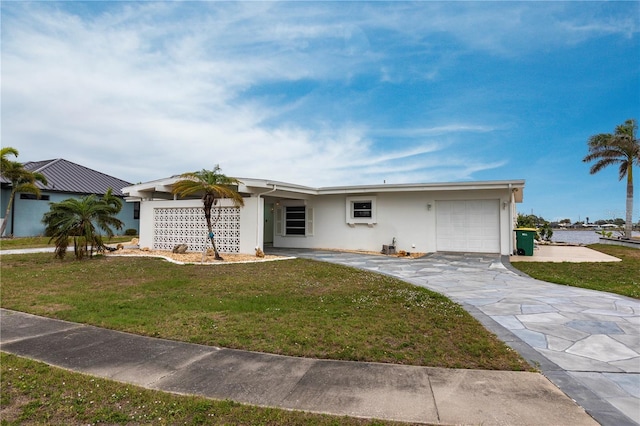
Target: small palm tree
(78,219)
(621,148)
(212,185)
(22,180)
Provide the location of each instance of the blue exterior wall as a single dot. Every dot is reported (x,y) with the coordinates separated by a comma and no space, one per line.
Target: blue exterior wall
(28,214)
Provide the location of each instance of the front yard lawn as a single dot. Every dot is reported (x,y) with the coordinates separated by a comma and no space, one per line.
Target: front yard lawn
(293,307)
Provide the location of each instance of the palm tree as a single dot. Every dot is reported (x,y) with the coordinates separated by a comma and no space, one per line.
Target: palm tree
(621,148)
(212,185)
(4,152)
(5,163)
(78,218)
(22,180)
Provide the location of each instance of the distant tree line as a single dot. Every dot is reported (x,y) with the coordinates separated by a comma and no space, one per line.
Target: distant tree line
(545,228)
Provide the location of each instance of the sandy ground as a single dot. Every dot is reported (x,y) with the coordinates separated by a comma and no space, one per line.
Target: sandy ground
(194,257)
(199,257)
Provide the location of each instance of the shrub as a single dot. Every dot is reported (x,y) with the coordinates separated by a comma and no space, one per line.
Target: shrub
(131,232)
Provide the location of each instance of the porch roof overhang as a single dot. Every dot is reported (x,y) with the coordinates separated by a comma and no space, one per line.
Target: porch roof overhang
(516,187)
(161,189)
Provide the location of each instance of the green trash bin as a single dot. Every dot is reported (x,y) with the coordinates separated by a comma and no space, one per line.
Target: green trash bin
(524,241)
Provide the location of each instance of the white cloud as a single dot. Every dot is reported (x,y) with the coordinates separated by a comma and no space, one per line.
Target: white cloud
(146,90)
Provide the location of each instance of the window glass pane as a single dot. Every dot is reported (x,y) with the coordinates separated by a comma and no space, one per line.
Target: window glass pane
(34,197)
(362,205)
(295,216)
(295,223)
(362,213)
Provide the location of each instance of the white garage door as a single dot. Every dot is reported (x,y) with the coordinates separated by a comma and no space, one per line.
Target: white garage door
(468,226)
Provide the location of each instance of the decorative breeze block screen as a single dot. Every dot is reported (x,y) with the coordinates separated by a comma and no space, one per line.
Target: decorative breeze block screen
(187,225)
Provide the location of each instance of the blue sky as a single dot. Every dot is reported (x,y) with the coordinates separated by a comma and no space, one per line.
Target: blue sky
(329,93)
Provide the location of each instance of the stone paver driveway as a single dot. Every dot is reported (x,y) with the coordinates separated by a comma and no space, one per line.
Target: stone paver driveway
(586,342)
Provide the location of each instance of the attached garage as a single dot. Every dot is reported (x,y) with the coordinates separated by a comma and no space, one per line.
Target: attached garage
(468,226)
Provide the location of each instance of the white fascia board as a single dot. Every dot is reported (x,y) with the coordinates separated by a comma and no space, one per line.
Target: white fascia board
(261,186)
(413,187)
(163,188)
(156,189)
(152,185)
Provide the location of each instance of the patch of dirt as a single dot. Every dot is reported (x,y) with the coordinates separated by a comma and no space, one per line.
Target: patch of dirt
(197,257)
(194,257)
(411,255)
(12,411)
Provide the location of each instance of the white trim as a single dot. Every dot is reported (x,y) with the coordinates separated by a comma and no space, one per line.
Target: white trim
(309,221)
(159,188)
(349,210)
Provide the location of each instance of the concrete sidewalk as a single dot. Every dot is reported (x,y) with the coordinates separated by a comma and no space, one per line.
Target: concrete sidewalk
(557,253)
(368,390)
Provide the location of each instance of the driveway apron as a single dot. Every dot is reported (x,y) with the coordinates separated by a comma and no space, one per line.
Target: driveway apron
(586,342)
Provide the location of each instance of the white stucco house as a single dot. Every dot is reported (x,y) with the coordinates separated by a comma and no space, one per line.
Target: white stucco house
(445,217)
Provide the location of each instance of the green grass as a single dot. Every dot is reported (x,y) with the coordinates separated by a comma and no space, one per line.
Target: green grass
(296,307)
(615,277)
(35,393)
(39,242)
(293,307)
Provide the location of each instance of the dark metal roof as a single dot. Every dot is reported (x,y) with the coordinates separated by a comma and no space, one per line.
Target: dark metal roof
(65,176)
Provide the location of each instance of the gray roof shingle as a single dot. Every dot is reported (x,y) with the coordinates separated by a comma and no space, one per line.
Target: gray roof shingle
(65,176)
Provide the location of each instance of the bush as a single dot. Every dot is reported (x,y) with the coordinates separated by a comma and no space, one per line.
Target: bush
(131,232)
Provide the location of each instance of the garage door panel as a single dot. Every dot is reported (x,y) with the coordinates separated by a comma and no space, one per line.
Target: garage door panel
(468,226)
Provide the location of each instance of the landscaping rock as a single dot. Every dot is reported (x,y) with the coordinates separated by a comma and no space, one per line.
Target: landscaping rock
(180,249)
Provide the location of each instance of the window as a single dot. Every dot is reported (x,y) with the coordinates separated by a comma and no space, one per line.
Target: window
(33,197)
(136,210)
(361,210)
(295,220)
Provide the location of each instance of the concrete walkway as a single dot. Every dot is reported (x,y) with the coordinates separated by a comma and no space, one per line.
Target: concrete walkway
(357,389)
(586,342)
(558,253)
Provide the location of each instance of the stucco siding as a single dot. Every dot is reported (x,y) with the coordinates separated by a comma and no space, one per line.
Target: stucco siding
(409,217)
(400,216)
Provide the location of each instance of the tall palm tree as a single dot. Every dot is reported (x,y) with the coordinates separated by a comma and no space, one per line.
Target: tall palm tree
(212,185)
(620,148)
(22,180)
(78,219)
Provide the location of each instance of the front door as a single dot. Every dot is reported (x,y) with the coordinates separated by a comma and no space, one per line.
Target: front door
(268,223)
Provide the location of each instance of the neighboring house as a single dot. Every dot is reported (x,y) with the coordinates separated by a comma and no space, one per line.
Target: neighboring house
(65,180)
(456,217)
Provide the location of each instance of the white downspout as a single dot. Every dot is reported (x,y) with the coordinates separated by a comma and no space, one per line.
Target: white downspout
(275,187)
(512,218)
